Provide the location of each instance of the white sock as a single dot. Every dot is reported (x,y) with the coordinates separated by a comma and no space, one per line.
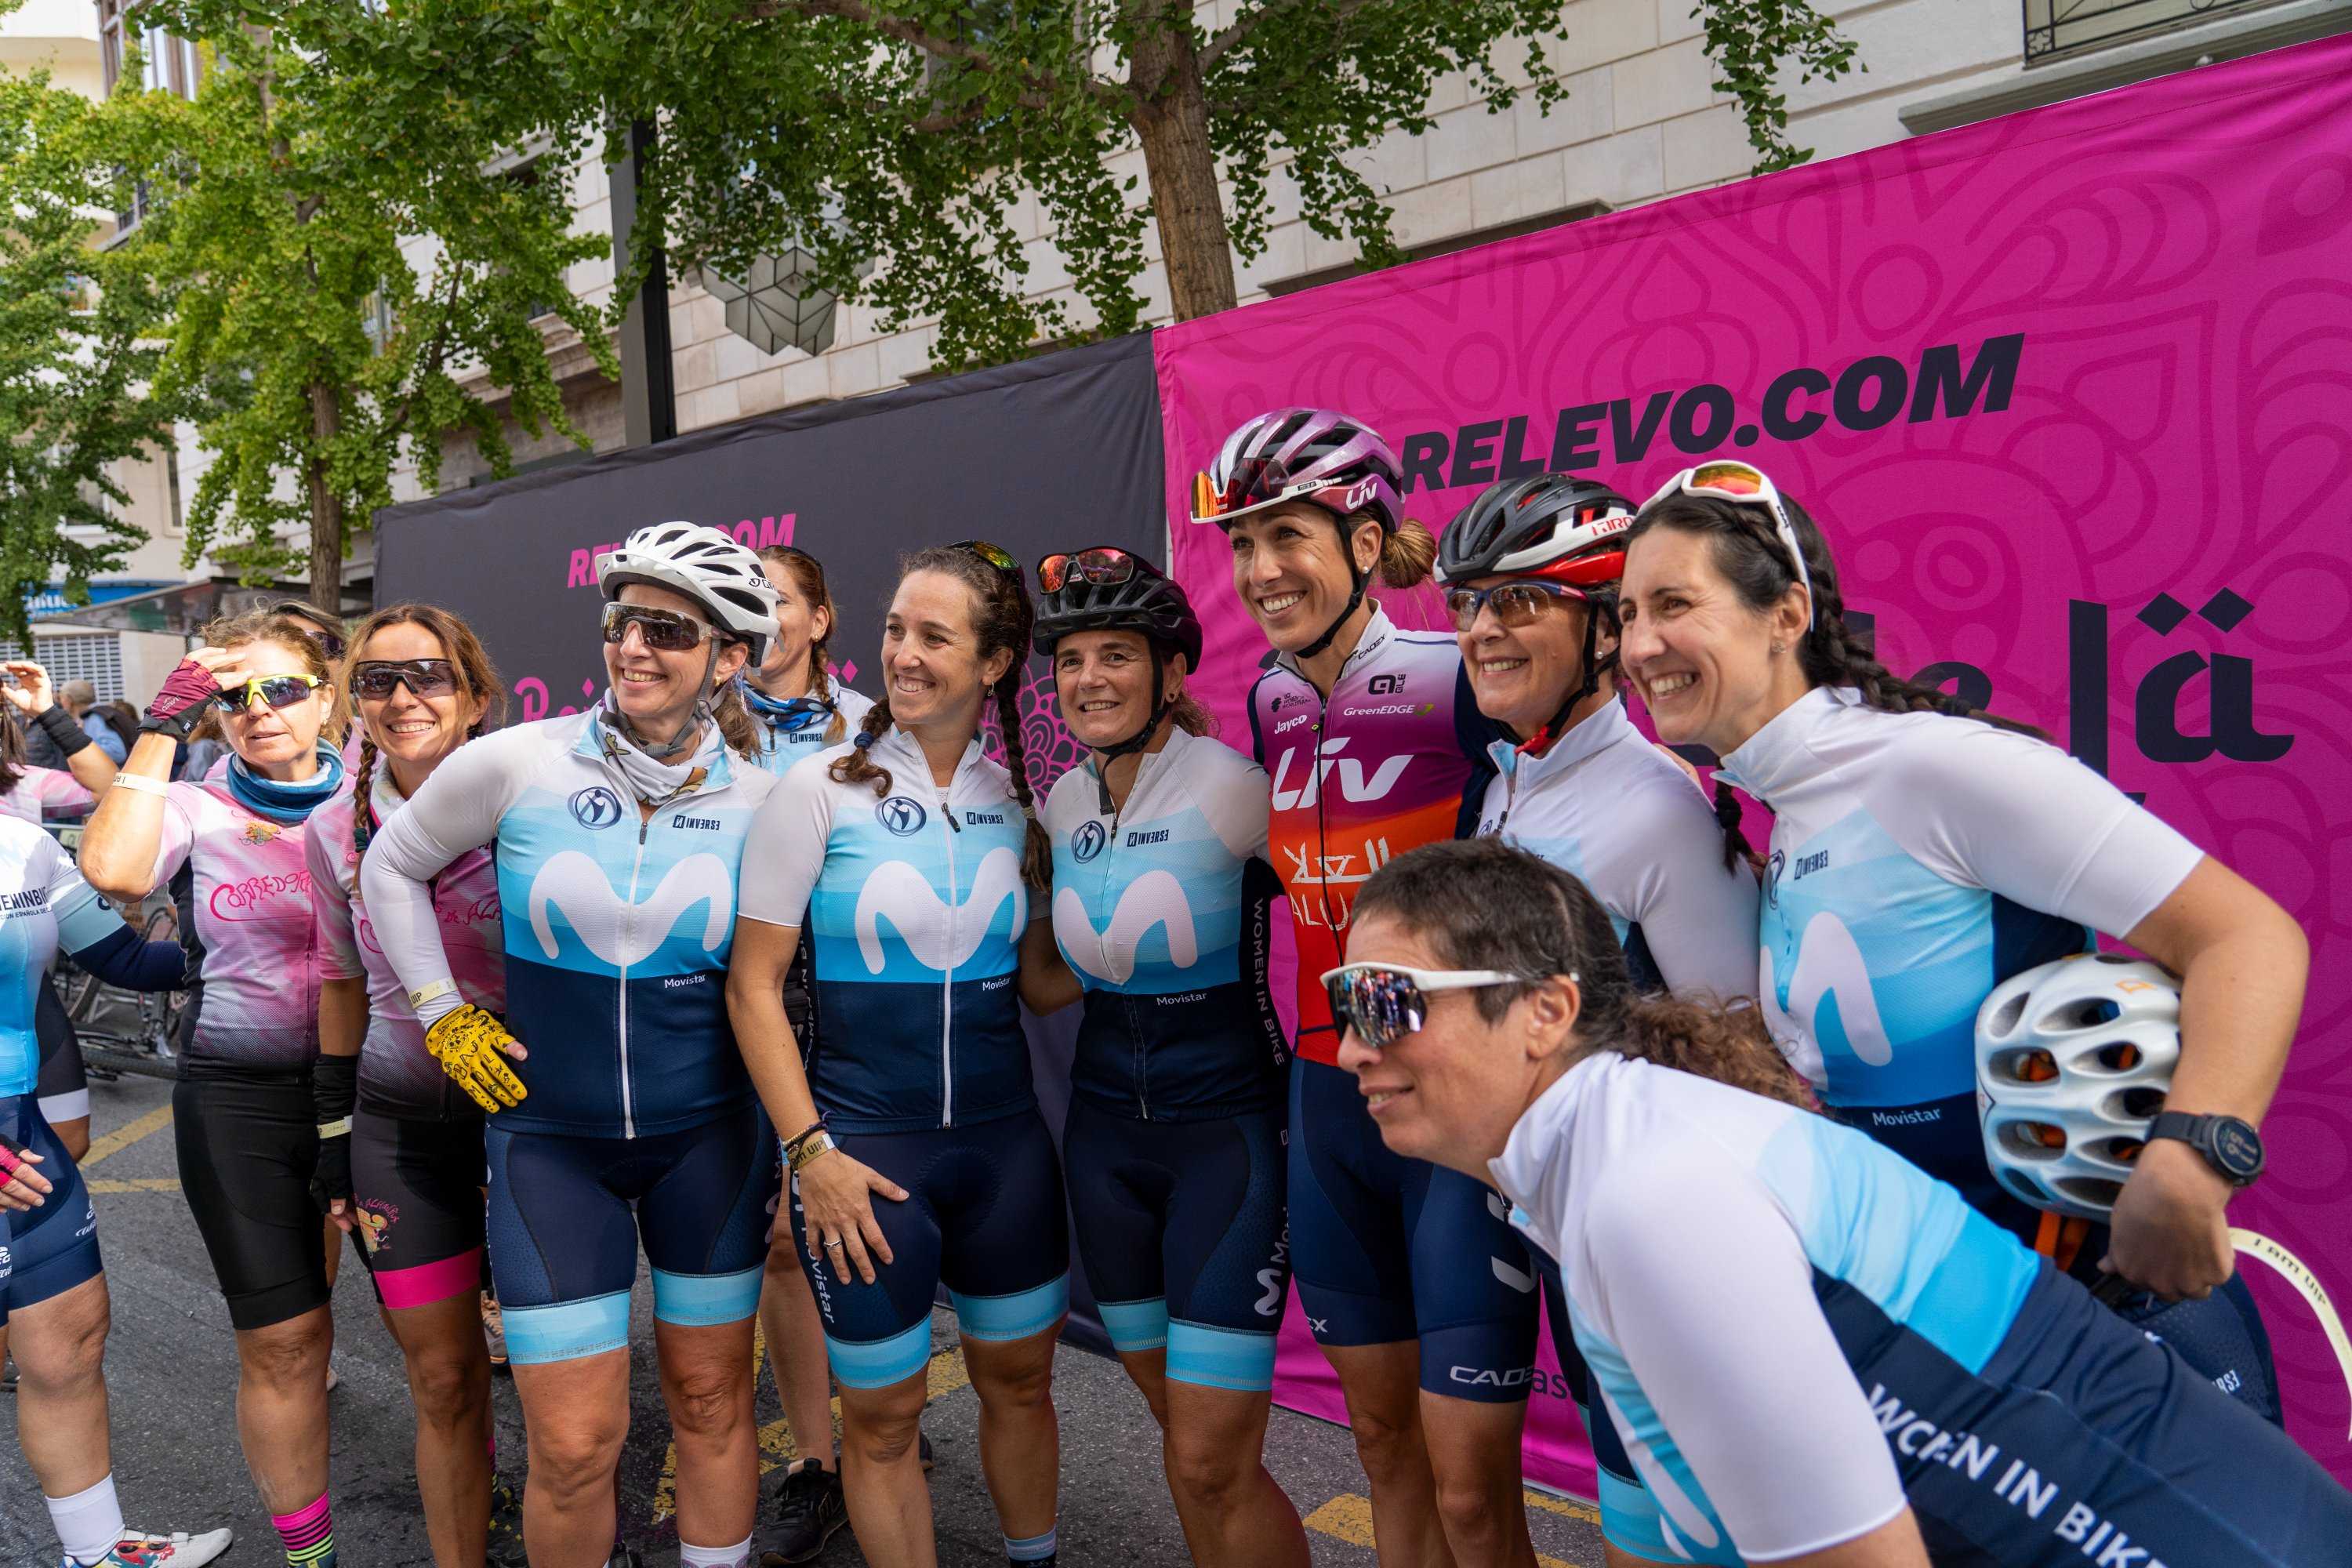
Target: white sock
(1033,1549)
(736,1556)
(88,1522)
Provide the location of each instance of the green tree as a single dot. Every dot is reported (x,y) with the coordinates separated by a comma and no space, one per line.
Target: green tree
(347,247)
(905,130)
(78,352)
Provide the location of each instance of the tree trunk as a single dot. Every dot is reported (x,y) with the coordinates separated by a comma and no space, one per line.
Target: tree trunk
(1172,123)
(326,506)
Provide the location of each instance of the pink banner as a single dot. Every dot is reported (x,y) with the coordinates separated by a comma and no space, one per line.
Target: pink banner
(2072,392)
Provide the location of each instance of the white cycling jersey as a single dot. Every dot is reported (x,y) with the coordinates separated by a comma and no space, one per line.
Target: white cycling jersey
(1603,805)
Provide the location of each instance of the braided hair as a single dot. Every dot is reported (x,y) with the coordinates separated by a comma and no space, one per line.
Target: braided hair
(461,647)
(1002,621)
(1750,555)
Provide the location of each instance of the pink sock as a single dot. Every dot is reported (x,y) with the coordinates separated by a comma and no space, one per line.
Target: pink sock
(309,1533)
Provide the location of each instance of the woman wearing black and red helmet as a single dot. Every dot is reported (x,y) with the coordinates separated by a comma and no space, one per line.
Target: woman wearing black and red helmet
(1417,1290)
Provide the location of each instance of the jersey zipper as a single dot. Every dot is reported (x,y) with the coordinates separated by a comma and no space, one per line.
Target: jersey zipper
(947,977)
(1102,950)
(621,991)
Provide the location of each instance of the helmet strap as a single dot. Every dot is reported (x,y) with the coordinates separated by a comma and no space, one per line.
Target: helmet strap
(1357,579)
(1595,667)
(1162,705)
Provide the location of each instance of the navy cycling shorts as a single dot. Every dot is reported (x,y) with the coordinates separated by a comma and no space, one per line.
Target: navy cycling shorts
(1387,1249)
(45,1251)
(982,1215)
(1179,1225)
(566,1215)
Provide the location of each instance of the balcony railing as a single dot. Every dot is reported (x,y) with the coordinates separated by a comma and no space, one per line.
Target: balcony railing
(2056,29)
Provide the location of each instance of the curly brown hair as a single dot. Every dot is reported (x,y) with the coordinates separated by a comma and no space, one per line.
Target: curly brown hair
(275,627)
(1484,904)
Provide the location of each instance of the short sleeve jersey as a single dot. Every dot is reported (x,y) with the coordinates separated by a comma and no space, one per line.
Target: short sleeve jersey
(397,1075)
(1161,910)
(1605,806)
(616,925)
(1395,758)
(782,750)
(40,792)
(44,906)
(1917,861)
(914,909)
(242,882)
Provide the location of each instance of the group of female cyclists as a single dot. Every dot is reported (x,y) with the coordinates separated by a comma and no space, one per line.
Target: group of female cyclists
(730,968)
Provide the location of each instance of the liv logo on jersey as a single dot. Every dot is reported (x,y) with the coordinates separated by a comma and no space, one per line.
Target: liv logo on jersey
(596,807)
(902,815)
(1087,841)
(1154,898)
(617,931)
(1347,773)
(941,937)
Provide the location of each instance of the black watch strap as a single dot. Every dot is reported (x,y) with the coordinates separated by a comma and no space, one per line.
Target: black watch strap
(2230,1146)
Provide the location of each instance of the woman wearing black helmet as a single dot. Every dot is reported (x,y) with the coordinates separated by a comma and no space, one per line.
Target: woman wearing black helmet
(1418,1292)
(1174,1144)
(1530,571)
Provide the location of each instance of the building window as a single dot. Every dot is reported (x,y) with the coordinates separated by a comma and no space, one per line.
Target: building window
(172,484)
(96,658)
(2056,29)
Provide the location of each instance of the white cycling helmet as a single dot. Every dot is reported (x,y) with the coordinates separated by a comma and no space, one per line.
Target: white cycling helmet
(2074,1060)
(707,566)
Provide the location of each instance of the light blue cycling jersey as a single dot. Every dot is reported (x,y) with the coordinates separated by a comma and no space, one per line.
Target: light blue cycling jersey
(1605,806)
(784,744)
(1917,861)
(1797,1334)
(44,906)
(1161,910)
(914,907)
(617,925)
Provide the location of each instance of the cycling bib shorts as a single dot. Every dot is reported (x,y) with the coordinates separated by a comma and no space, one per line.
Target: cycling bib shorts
(567,1214)
(64,1082)
(1179,1225)
(248,1139)
(1389,1249)
(48,1250)
(417,1197)
(983,1215)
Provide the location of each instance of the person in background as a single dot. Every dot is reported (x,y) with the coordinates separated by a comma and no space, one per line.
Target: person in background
(244,1112)
(802,708)
(79,699)
(1818,1355)
(124,719)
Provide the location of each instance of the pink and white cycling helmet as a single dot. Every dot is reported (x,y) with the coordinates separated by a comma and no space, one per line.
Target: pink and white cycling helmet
(1301,454)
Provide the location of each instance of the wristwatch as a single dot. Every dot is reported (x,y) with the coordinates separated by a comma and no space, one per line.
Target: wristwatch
(2229,1145)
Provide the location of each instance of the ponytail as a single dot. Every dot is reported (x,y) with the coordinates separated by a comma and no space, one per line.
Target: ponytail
(858,765)
(736,725)
(363,800)
(1407,555)
(1707,1040)
(1726,816)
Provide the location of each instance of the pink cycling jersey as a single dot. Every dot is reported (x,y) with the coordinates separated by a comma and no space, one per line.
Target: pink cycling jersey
(44,790)
(397,1075)
(247,921)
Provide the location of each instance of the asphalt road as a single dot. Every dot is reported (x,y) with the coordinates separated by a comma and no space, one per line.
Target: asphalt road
(171,1369)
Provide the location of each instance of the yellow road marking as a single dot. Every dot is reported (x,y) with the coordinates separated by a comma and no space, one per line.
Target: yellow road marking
(1348,1518)
(777,1446)
(122,1137)
(135,1185)
(1565,1506)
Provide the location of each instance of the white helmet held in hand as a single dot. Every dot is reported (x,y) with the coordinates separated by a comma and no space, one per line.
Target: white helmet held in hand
(2074,1060)
(707,566)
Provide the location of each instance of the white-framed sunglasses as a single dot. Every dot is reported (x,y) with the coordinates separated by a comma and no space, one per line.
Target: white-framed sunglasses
(1743,484)
(1383,1003)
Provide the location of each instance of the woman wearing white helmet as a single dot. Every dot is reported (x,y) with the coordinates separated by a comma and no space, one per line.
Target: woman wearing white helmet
(622,1114)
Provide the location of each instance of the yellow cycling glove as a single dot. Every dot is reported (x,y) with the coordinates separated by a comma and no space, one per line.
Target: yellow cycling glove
(469,1045)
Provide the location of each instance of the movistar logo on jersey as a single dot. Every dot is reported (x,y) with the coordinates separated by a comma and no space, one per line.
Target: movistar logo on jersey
(617,931)
(941,936)
(1155,898)
(1345,774)
(596,807)
(902,815)
(1087,841)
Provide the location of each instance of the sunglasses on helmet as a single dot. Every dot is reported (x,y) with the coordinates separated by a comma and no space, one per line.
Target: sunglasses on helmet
(664,630)
(1102,565)
(1743,484)
(375,679)
(1381,1004)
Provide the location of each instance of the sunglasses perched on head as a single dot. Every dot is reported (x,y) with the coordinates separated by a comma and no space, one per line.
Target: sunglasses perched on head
(374,679)
(1517,604)
(1102,565)
(996,555)
(664,630)
(1381,1004)
(1744,485)
(278,691)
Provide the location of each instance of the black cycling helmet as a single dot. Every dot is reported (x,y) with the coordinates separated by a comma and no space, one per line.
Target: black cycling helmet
(1545,525)
(1105,589)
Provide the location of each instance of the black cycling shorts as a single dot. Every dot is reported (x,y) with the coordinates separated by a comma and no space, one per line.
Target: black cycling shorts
(417,1197)
(1179,1225)
(48,1250)
(64,1085)
(248,1143)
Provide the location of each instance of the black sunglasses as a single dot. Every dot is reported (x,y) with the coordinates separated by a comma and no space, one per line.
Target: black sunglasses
(662,629)
(375,679)
(1103,565)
